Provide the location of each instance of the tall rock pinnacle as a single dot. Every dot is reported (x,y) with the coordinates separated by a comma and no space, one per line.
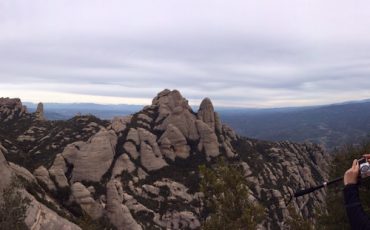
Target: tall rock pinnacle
(40,112)
(206,113)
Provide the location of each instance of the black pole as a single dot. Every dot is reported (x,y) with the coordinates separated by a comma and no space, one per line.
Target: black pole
(312,189)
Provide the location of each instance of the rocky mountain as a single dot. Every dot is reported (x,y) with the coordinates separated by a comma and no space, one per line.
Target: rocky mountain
(141,171)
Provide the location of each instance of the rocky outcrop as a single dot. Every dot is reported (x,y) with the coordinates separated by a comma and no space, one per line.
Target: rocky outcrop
(22,172)
(40,112)
(120,123)
(58,170)
(11,109)
(208,140)
(179,220)
(130,148)
(174,109)
(92,159)
(38,216)
(142,171)
(43,176)
(118,213)
(123,164)
(83,197)
(5,173)
(148,158)
(206,113)
(173,143)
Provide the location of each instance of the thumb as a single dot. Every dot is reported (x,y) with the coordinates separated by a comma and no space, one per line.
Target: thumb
(355,164)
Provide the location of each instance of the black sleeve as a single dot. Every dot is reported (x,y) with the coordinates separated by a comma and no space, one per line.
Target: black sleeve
(357,217)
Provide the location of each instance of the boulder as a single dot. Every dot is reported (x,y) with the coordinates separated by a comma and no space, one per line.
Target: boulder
(92,159)
(43,176)
(83,197)
(133,135)
(22,172)
(206,113)
(148,158)
(208,140)
(123,163)
(130,148)
(120,123)
(58,170)
(173,143)
(118,213)
(148,137)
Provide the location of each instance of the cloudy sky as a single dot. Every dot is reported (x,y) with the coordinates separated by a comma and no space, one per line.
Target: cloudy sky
(250,53)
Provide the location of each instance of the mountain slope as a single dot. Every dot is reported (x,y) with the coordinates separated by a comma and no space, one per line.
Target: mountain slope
(141,171)
(330,126)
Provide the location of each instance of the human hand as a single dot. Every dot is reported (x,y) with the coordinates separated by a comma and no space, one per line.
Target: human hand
(351,175)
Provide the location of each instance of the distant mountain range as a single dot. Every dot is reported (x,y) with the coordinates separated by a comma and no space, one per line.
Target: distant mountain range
(64,111)
(329,125)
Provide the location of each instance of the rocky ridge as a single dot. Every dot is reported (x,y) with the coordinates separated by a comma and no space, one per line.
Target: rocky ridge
(141,171)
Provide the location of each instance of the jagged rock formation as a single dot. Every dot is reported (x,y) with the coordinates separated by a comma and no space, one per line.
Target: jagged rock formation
(141,171)
(38,216)
(40,112)
(11,109)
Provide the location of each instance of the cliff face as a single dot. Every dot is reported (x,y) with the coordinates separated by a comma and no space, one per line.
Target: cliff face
(141,171)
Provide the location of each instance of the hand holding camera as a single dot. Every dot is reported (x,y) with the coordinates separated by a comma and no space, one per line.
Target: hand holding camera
(360,169)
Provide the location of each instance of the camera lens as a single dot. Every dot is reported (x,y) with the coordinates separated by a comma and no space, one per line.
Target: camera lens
(365,168)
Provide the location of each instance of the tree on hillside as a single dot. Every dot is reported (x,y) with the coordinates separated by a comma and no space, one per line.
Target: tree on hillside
(13,207)
(226,198)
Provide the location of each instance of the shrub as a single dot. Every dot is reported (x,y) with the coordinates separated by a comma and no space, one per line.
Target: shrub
(13,207)
(226,198)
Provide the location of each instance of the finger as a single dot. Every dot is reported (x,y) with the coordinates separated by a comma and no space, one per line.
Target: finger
(354,164)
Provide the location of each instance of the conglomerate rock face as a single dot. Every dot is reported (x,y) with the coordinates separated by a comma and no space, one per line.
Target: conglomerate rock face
(141,171)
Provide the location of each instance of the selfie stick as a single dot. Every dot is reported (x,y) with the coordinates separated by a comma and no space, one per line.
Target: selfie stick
(312,189)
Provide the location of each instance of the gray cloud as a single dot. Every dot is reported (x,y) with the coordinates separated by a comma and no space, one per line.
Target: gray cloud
(242,53)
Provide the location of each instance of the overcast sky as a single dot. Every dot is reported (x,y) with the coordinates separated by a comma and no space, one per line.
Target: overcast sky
(259,53)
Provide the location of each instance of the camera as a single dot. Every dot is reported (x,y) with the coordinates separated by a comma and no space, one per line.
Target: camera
(364,168)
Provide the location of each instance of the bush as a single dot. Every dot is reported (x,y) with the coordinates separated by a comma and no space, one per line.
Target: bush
(226,198)
(13,208)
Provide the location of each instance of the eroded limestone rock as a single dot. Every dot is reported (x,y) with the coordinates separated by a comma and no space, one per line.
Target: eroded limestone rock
(92,159)
(206,113)
(148,158)
(42,175)
(83,197)
(173,143)
(123,163)
(208,140)
(118,213)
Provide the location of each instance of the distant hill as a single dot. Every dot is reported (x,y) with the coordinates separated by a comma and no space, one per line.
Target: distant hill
(331,125)
(65,111)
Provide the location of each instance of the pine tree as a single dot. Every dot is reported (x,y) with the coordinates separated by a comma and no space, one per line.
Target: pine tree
(226,198)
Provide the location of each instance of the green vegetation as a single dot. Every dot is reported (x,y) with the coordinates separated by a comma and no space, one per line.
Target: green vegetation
(86,223)
(334,217)
(13,207)
(297,222)
(226,198)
